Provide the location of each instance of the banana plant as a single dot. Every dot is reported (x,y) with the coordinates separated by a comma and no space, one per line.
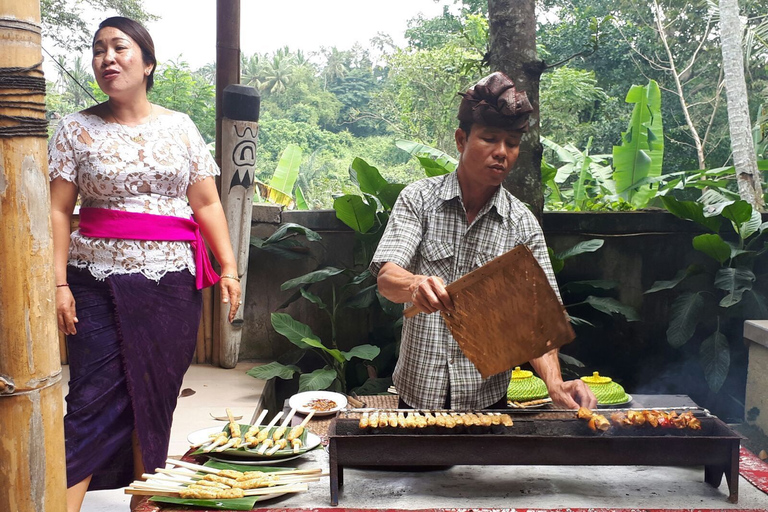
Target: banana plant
(641,151)
(282,186)
(714,300)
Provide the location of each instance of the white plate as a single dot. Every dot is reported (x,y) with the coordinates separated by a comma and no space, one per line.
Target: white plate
(254,462)
(299,401)
(249,458)
(629,399)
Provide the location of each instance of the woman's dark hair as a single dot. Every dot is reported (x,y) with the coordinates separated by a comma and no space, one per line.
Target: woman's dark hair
(138,33)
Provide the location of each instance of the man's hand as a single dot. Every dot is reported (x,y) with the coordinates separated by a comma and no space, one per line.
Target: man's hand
(428,293)
(572,394)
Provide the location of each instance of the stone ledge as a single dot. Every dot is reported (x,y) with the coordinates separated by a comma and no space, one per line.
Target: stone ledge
(756,331)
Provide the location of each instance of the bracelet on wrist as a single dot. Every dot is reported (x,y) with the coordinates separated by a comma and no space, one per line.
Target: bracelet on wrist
(231,276)
(62,285)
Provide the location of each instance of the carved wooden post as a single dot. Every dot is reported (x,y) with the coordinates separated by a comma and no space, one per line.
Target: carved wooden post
(32,465)
(239,129)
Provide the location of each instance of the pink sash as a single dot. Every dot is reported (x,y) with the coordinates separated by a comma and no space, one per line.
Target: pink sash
(104,223)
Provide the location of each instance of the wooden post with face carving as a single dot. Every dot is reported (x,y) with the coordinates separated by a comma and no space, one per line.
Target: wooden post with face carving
(239,130)
(32,461)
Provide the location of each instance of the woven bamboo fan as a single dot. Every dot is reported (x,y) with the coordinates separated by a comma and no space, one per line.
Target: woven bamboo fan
(506,313)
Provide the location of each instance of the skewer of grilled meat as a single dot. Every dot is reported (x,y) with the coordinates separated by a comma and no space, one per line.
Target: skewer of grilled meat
(595,421)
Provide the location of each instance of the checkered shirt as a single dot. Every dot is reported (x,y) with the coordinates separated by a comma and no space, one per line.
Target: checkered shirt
(428,234)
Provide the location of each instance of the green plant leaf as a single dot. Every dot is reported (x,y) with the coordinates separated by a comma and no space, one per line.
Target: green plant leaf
(756,304)
(314,299)
(389,194)
(575,320)
(685,314)
(580,248)
(715,358)
(361,277)
(735,281)
(354,212)
(301,201)
(737,212)
(312,277)
(642,150)
(316,343)
(588,286)
(557,263)
(272,370)
(286,248)
(287,170)
(287,228)
(679,278)
(432,167)
(752,226)
(691,210)
(362,299)
(317,380)
(713,246)
(440,158)
(366,352)
(570,360)
(609,305)
(246,503)
(369,179)
(292,329)
(738,251)
(389,307)
(376,386)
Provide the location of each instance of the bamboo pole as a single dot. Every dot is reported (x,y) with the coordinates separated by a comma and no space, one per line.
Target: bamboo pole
(32,465)
(239,130)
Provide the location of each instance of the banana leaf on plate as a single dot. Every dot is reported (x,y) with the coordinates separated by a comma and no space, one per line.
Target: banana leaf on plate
(246,503)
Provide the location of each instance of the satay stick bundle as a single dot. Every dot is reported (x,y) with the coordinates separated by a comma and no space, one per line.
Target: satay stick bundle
(261,439)
(194,481)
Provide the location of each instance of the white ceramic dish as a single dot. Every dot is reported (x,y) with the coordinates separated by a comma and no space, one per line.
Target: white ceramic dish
(300,401)
(254,462)
(247,457)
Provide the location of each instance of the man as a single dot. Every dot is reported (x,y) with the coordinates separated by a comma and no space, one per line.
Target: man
(444,227)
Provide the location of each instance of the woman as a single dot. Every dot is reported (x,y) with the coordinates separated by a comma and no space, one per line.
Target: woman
(128,281)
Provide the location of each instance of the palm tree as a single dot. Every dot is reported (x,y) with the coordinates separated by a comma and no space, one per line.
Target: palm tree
(277,73)
(74,82)
(250,70)
(336,65)
(207,73)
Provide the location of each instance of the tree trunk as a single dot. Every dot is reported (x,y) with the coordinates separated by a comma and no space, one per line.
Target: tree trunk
(32,465)
(512,40)
(742,145)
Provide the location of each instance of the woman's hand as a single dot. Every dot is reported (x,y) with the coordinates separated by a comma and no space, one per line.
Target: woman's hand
(65,310)
(231,294)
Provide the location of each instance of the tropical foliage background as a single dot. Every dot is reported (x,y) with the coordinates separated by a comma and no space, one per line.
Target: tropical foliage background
(337,104)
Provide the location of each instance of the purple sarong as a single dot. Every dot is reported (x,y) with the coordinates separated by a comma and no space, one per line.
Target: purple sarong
(135,340)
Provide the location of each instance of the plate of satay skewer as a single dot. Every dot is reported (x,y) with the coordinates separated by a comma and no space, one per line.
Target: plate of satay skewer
(255,444)
(223,486)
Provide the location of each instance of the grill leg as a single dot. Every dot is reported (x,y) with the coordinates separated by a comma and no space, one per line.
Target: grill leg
(732,475)
(713,475)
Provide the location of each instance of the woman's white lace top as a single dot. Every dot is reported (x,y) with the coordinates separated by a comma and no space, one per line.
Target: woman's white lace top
(143,169)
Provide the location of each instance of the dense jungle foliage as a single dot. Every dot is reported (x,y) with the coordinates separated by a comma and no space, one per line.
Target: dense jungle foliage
(338,104)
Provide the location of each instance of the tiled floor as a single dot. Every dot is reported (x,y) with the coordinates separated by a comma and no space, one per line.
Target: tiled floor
(214,390)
